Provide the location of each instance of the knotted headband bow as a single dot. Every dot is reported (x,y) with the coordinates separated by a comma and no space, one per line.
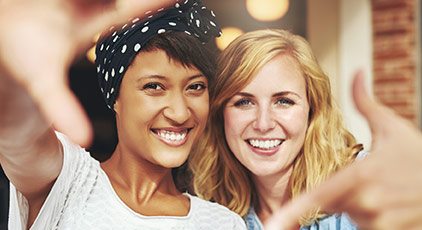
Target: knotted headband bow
(116,50)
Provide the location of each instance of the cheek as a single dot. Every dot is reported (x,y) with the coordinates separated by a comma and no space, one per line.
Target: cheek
(140,113)
(295,122)
(229,128)
(231,133)
(200,108)
(235,124)
(148,109)
(231,124)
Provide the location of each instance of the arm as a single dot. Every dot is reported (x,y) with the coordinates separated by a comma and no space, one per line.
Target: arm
(381,192)
(38,42)
(30,153)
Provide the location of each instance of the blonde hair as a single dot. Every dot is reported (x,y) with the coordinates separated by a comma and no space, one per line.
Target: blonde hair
(328,146)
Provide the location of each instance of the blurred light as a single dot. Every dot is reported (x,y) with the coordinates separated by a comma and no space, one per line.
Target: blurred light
(228,35)
(267,10)
(90,54)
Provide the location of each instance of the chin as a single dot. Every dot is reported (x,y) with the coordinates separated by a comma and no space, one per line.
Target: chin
(172,162)
(263,171)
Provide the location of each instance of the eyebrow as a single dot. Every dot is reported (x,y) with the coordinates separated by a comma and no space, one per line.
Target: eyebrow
(156,76)
(160,77)
(149,77)
(244,94)
(278,94)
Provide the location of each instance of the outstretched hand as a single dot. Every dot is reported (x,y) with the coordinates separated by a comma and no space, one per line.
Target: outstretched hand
(383,191)
(40,39)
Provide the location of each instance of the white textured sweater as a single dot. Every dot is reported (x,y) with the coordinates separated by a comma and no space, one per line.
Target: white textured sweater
(83,198)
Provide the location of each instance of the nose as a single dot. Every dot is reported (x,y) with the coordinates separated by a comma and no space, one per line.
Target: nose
(177,110)
(264,120)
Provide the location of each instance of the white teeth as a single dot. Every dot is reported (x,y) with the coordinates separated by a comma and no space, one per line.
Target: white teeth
(267,144)
(172,136)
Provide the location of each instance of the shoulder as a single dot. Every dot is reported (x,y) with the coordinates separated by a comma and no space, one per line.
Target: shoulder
(75,183)
(340,221)
(211,212)
(73,152)
(79,169)
(210,207)
(252,220)
(67,144)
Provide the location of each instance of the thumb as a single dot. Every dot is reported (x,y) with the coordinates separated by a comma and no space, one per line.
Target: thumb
(375,114)
(363,102)
(61,107)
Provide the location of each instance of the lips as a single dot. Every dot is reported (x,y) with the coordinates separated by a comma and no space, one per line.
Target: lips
(264,147)
(264,144)
(172,137)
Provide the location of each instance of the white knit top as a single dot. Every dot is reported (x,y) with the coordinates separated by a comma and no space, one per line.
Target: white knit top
(83,198)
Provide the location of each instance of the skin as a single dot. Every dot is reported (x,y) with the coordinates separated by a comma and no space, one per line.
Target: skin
(157,95)
(30,154)
(394,165)
(59,30)
(272,108)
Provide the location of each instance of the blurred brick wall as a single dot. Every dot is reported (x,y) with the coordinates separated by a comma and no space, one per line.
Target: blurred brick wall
(395,56)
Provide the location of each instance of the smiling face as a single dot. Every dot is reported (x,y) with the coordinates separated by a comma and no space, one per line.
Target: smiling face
(265,122)
(161,110)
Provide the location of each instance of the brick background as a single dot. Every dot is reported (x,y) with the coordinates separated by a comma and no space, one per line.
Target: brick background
(395,56)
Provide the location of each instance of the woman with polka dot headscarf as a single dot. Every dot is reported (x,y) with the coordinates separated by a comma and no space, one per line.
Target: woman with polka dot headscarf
(154,73)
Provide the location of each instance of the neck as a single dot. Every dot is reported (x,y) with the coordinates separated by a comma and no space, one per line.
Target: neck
(272,192)
(136,178)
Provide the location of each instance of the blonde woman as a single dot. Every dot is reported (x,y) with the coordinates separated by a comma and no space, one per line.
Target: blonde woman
(282,135)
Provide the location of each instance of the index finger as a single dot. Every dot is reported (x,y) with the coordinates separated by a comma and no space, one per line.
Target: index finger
(326,196)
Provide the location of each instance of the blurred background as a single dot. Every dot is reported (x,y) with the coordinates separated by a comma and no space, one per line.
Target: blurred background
(380,37)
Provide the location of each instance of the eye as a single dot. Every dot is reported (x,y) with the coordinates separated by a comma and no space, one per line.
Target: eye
(153,86)
(285,102)
(243,102)
(197,87)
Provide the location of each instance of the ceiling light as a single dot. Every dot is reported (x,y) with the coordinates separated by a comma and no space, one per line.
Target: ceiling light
(267,10)
(228,35)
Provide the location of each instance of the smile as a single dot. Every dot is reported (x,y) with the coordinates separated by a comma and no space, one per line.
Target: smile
(173,138)
(264,144)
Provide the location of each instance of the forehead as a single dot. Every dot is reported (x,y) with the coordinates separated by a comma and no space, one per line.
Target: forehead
(157,62)
(280,74)
(154,58)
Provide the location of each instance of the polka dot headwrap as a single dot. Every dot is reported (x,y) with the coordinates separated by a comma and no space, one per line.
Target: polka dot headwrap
(116,50)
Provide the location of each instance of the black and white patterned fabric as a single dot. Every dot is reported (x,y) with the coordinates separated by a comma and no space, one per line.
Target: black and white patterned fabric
(116,50)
